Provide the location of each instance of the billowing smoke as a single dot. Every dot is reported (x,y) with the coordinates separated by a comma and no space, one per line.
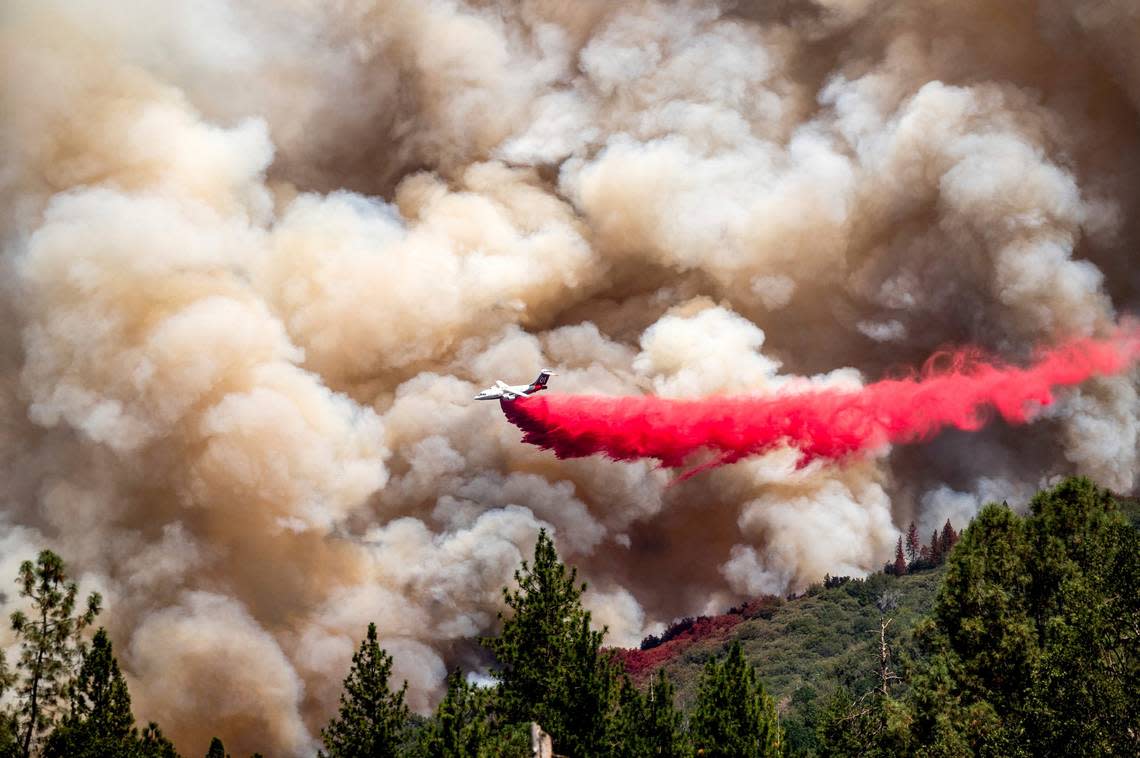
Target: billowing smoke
(258,256)
(824,424)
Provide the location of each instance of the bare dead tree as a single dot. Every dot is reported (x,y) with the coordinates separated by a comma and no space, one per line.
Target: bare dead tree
(887,602)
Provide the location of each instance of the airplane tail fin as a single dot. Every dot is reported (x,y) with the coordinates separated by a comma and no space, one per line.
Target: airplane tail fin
(543,377)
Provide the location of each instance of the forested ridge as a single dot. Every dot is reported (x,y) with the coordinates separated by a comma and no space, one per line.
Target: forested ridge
(1016,638)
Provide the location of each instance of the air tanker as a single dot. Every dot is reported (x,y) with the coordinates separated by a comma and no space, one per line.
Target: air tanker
(504,391)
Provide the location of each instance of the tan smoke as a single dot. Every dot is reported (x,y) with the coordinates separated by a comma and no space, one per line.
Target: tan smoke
(258,256)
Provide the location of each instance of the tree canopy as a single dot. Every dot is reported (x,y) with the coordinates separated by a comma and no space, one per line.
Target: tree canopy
(734,716)
(51,645)
(550,666)
(371,716)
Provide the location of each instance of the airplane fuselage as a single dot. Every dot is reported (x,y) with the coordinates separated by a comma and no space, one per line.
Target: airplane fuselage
(504,391)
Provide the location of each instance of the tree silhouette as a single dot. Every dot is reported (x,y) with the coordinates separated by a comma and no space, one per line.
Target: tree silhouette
(550,669)
(99,722)
(913,543)
(217,749)
(1032,646)
(371,716)
(50,644)
(900,559)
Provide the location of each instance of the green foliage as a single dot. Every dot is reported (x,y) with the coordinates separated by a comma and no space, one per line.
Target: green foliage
(371,720)
(506,742)
(50,645)
(462,726)
(8,743)
(872,725)
(734,716)
(7,678)
(648,725)
(99,722)
(813,643)
(550,670)
(1032,646)
(153,743)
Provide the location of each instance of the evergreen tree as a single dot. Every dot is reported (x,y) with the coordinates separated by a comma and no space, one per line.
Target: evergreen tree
(99,722)
(647,725)
(461,727)
(8,743)
(734,717)
(1084,599)
(50,644)
(900,560)
(874,724)
(935,548)
(662,731)
(550,667)
(947,539)
(153,743)
(371,716)
(625,727)
(1031,649)
(913,543)
(217,749)
(871,726)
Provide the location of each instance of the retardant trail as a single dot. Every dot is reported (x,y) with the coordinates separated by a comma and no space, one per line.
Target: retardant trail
(956,389)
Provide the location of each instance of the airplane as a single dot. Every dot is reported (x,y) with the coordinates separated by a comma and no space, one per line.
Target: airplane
(503,391)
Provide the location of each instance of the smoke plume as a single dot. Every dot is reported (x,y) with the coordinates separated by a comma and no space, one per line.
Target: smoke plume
(824,424)
(257,256)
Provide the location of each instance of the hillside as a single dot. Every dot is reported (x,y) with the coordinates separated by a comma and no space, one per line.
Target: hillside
(802,647)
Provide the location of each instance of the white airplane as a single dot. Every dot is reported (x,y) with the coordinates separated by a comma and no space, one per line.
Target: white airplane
(503,391)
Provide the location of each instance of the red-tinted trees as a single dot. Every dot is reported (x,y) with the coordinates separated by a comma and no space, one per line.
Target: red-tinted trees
(900,559)
(913,543)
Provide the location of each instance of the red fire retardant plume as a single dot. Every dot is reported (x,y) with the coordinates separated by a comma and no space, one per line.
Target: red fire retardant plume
(958,389)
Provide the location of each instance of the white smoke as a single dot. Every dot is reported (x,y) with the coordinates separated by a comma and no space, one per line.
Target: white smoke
(258,256)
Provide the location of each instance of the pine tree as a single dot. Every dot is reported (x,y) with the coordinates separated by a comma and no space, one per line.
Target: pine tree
(550,667)
(371,716)
(461,727)
(870,726)
(935,548)
(50,644)
(947,539)
(662,729)
(1084,599)
(1031,649)
(734,717)
(913,543)
(8,743)
(99,722)
(626,737)
(217,749)
(875,724)
(900,559)
(153,743)
(647,725)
